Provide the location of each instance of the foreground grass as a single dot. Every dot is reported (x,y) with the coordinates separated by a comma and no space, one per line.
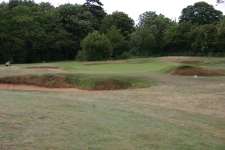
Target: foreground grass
(83,121)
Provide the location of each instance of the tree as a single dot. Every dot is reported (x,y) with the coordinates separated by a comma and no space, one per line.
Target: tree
(143,42)
(157,25)
(178,39)
(119,43)
(121,21)
(96,46)
(204,39)
(96,9)
(221,36)
(76,20)
(33,33)
(200,13)
(15,3)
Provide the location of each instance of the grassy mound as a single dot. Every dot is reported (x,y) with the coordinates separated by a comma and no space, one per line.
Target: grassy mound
(87,82)
(192,71)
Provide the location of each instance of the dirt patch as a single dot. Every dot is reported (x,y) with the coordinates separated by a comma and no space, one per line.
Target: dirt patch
(16,87)
(48,81)
(2,115)
(112,85)
(192,71)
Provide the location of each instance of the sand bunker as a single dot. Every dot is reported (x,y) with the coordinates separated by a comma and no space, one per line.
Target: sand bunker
(21,87)
(192,71)
(48,81)
(62,81)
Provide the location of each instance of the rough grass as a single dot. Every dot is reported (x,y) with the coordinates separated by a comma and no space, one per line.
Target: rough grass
(81,81)
(192,71)
(178,113)
(159,118)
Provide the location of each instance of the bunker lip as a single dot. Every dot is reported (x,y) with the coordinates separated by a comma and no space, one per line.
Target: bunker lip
(63,81)
(192,71)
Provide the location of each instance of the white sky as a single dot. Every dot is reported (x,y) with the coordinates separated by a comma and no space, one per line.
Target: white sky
(170,8)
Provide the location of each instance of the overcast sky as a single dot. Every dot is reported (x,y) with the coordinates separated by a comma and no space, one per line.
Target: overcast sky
(170,8)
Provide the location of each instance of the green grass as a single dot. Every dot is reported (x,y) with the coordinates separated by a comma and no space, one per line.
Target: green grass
(87,81)
(83,121)
(177,113)
(128,67)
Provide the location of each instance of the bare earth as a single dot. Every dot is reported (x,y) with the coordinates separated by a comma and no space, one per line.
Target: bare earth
(14,87)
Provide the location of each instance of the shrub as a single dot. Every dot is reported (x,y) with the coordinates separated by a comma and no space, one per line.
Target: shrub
(96,46)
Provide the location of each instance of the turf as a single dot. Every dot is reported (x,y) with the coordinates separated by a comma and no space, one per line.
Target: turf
(177,113)
(127,67)
(102,121)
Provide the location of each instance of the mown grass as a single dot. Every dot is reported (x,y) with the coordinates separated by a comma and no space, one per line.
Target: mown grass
(125,67)
(82,121)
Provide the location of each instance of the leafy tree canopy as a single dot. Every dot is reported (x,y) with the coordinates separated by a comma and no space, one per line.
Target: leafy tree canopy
(120,20)
(201,13)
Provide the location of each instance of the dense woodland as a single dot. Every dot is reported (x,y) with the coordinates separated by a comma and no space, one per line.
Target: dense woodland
(31,32)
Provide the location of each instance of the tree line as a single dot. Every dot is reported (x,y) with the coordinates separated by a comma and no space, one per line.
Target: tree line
(31,32)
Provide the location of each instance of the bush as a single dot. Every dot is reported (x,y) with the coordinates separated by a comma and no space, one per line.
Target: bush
(96,46)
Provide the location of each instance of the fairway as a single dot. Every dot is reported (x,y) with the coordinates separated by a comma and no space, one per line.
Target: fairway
(172,113)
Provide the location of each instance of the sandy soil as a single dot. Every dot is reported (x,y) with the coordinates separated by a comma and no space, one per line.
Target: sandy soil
(36,88)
